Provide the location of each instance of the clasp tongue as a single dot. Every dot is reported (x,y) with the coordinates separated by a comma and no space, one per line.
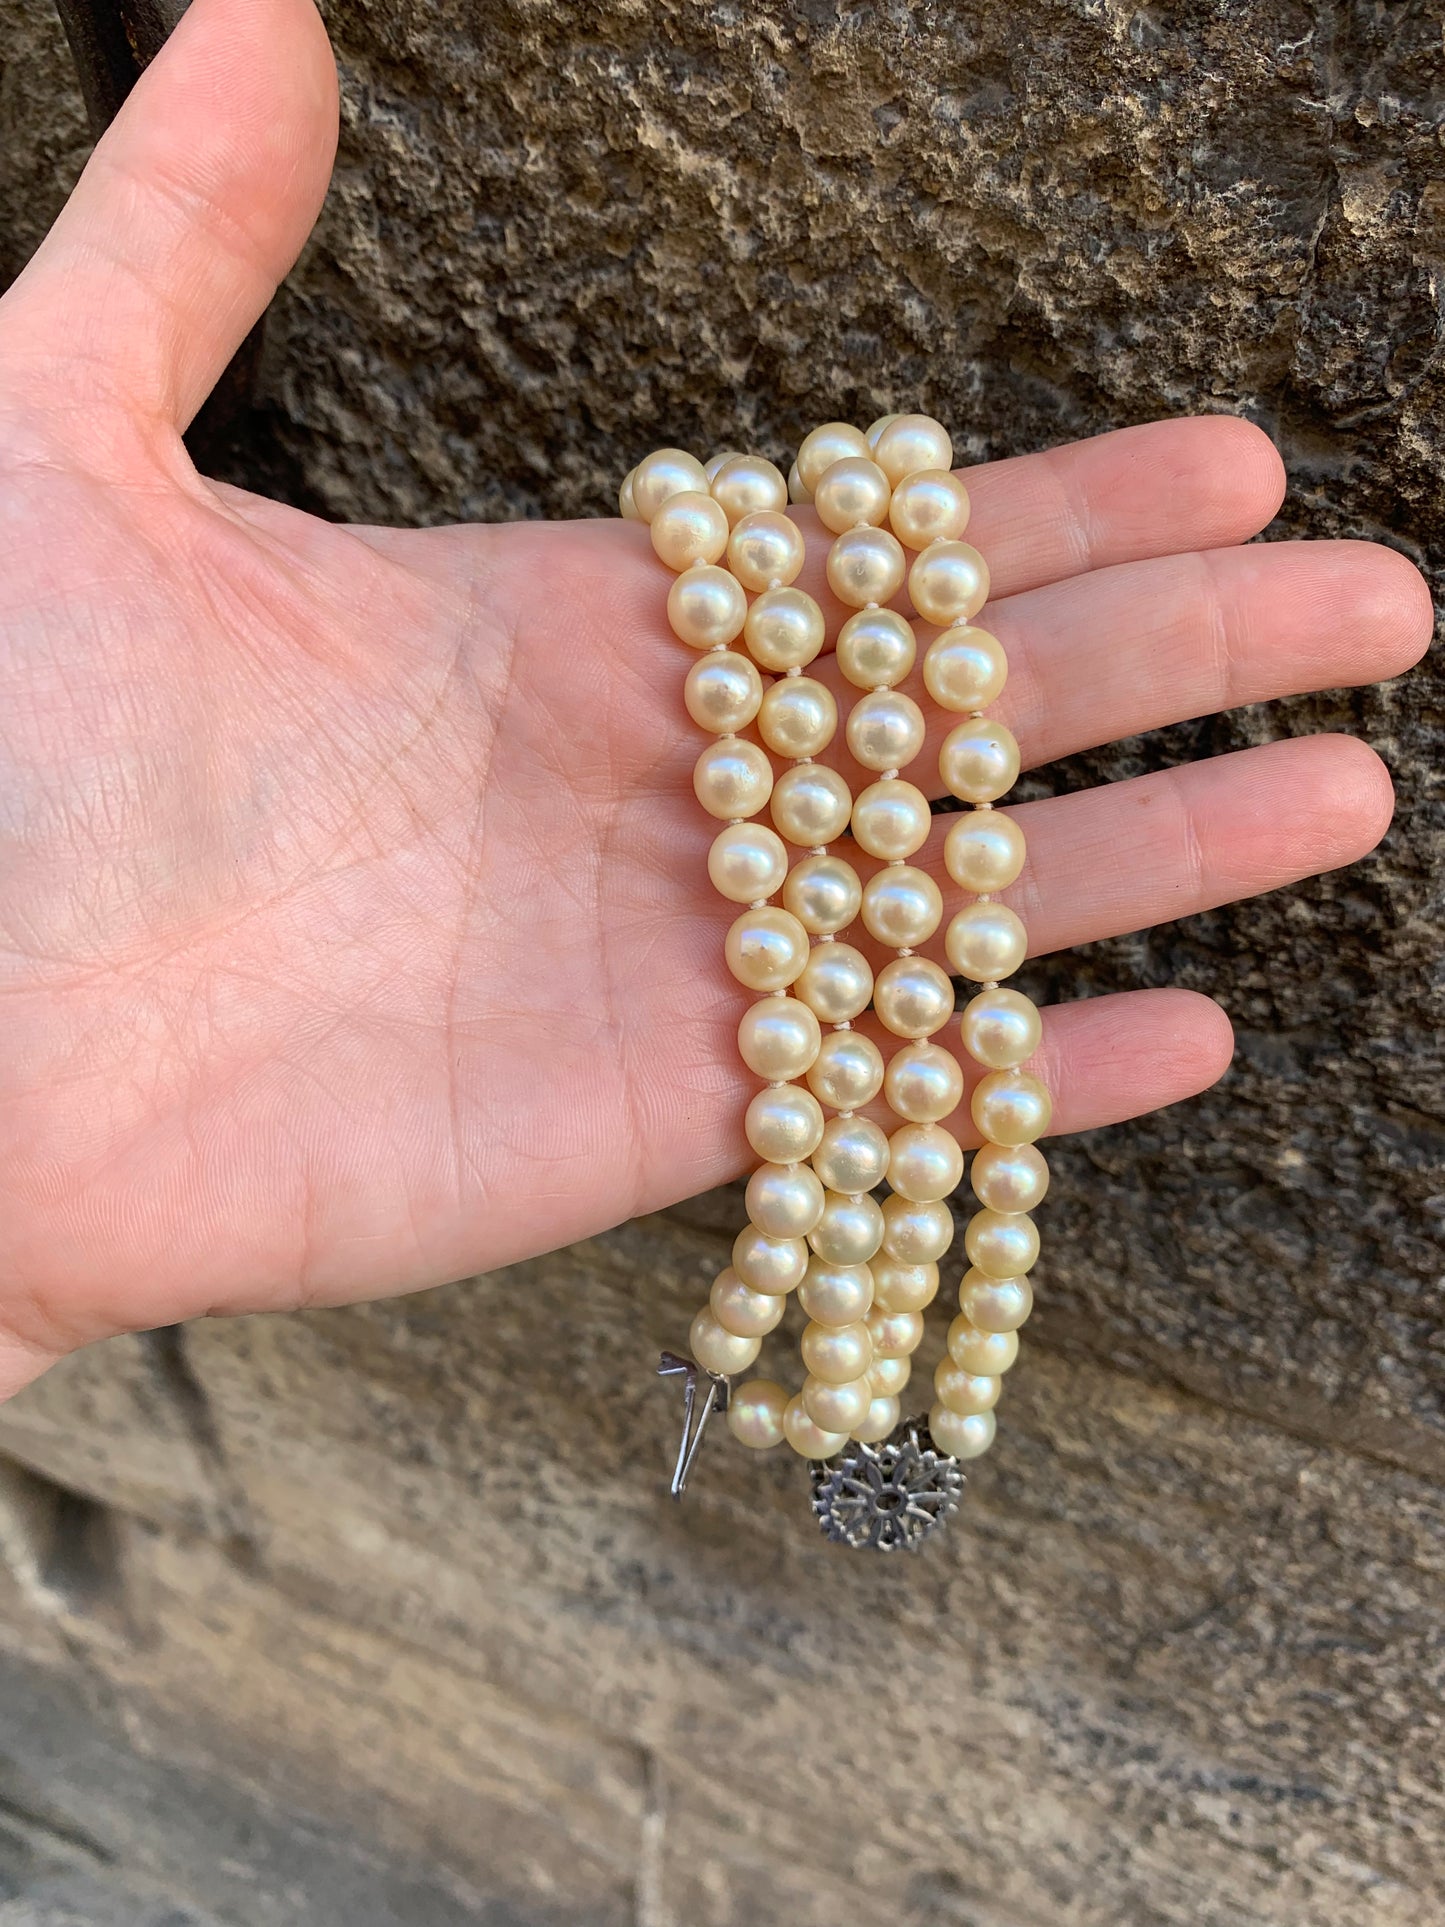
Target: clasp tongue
(715,1401)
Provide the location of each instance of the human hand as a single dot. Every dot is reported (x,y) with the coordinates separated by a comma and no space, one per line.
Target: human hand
(354,924)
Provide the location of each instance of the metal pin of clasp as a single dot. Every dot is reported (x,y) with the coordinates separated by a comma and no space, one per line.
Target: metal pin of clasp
(715,1401)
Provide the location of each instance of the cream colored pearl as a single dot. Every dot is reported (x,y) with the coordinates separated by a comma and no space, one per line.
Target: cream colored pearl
(772,1265)
(1001,1028)
(778,1038)
(925,1162)
(732,778)
(837,1408)
(984,850)
(1009,1177)
(902,906)
(748,485)
(847,1073)
(923,1083)
(986,941)
(796,492)
(834,1292)
(1001,1244)
(965,1392)
(995,1304)
(961,1436)
(910,444)
(689,528)
(876,649)
(765,550)
(740,1309)
(987,1354)
(885,729)
(848,1233)
(891,819)
(882,1419)
(626,501)
(965,668)
(723,692)
(837,1353)
(916,1234)
(784,1125)
(823,893)
(747,861)
(1011,1107)
(835,981)
(784,629)
(755,1413)
(912,997)
(717,1350)
(798,717)
(929,506)
(811,804)
(888,1376)
(766,949)
(903,1287)
(866,565)
(810,1441)
(832,442)
(706,606)
(875,429)
(851,492)
(714,462)
(784,1200)
(948,583)
(895,1334)
(663,474)
(979,761)
(851,1155)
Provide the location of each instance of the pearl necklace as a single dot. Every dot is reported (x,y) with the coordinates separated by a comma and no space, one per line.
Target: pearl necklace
(864,1272)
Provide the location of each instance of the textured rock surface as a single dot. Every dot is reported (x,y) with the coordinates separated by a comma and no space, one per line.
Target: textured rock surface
(344,1622)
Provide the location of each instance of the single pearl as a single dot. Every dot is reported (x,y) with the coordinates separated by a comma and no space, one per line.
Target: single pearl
(766,949)
(882,1419)
(837,1408)
(626,501)
(989,1354)
(772,1265)
(891,819)
(755,1413)
(836,981)
(875,429)
(837,1353)
(928,506)
(1011,1107)
(835,1292)
(948,583)
(866,565)
(911,443)
(810,1441)
(965,668)
(961,1436)
(885,729)
(916,1234)
(796,492)
(851,1155)
(717,1350)
(847,1073)
(784,1200)
(823,893)
(979,761)
(876,649)
(1001,1028)
(924,1083)
(689,528)
(747,485)
(965,1392)
(798,717)
(784,1125)
(832,442)
(723,692)
(1009,1177)
(925,1162)
(784,629)
(984,850)
(912,997)
(732,778)
(848,1233)
(765,550)
(747,861)
(778,1038)
(903,1287)
(888,1376)
(1001,1244)
(714,462)
(811,804)
(895,1334)
(741,1310)
(664,473)
(902,906)
(706,606)
(986,941)
(852,491)
(995,1304)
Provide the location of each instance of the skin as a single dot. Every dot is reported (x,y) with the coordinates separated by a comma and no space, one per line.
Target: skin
(354,928)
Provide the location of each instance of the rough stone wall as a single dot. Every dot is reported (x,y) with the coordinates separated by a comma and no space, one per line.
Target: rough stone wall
(315,1605)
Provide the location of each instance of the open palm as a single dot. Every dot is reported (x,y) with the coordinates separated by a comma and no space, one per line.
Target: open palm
(354,931)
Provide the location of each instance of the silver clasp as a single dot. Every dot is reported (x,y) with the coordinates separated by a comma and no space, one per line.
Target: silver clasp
(715,1401)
